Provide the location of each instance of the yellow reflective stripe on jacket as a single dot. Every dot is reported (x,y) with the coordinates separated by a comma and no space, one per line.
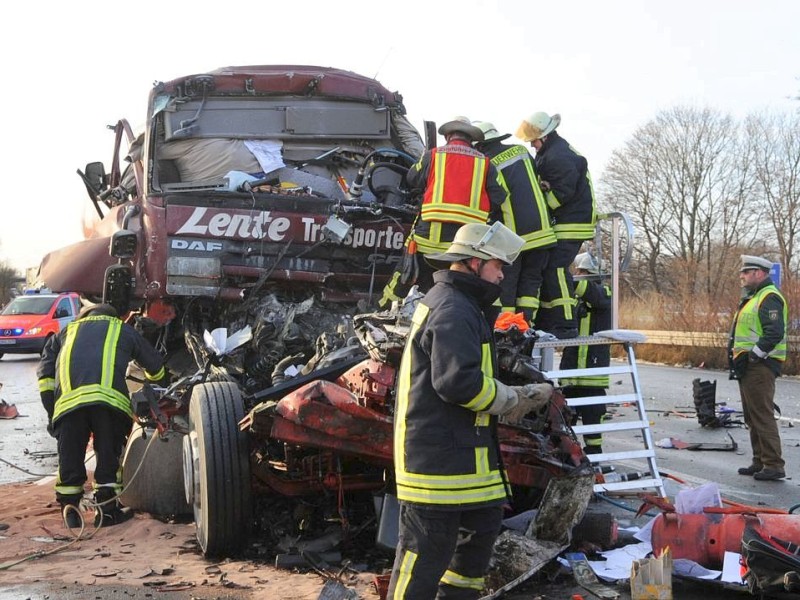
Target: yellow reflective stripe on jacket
(432,243)
(450,489)
(489,389)
(64,357)
(155,377)
(403,385)
(748,325)
(461,581)
(47,384)
(91,394)
(109,352)
(574,231)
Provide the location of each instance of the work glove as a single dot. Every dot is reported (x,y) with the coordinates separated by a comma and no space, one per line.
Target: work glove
(532,397)
(545,185)
(50,429)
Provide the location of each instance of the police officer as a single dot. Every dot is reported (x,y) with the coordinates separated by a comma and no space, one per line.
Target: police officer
(756,352)
(447,468)
(594,314)
(82,383)
(458,185)
(565,179)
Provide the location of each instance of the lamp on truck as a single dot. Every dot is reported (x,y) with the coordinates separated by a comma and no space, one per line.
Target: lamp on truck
(123,244)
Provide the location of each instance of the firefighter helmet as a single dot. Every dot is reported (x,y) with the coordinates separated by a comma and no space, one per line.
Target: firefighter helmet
(490,132)
(477,240)
(587,262)
(463,125)
(537,125)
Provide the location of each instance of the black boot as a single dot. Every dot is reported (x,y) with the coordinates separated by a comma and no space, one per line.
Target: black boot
(71,513)
(109,512)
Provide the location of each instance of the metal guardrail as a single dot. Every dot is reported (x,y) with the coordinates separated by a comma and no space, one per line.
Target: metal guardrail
(698,339)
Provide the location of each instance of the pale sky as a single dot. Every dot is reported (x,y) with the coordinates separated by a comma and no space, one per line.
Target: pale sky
(607,67)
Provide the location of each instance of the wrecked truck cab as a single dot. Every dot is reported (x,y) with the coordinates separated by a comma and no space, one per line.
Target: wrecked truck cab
(246,175)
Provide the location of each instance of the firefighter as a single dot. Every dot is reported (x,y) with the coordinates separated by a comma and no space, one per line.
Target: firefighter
(526,214)
(756,351)
(82,383)
(567,185)
(448,473)
(458,185)
(593,312)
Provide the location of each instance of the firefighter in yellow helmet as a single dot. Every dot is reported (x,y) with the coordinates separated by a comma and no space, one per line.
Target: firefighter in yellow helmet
(567,185)
(447,468)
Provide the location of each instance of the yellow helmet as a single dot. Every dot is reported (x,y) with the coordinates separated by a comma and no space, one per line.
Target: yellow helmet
(538,125)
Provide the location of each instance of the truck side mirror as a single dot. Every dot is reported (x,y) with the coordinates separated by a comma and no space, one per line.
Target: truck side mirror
(96,177)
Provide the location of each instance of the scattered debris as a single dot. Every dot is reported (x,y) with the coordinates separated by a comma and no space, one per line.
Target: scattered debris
(732,447)
(586,578)
(8,411)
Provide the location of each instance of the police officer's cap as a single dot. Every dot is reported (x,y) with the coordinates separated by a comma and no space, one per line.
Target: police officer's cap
(755,262)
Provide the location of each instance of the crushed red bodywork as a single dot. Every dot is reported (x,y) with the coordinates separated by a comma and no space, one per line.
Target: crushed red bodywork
(352,418)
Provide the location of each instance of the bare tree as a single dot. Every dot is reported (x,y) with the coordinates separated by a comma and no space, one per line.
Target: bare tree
(685,186)
(774,151)
(9,277)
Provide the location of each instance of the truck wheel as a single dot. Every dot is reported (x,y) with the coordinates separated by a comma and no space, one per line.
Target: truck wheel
(157,486)
(217,469)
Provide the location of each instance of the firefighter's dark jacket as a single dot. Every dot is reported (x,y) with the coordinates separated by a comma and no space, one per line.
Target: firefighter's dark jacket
(526,212)
(445,443)
(571,196)
(594,314)
(86,364)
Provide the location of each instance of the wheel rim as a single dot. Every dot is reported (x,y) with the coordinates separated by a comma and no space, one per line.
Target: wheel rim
(191,465)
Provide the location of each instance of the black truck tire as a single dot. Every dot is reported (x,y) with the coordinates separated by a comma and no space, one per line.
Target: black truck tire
(217,468)
(157,485)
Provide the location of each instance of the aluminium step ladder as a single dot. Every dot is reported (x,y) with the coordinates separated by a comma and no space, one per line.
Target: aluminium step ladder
(651,478)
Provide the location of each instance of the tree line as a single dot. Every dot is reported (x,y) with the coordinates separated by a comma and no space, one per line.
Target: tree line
(702,188)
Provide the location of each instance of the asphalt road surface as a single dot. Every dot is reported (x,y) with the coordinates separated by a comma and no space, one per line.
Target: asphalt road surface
(667,391)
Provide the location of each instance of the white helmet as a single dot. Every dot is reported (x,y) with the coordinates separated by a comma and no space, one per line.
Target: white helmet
(490,132)
(478,240)
(538,125)
(586,262)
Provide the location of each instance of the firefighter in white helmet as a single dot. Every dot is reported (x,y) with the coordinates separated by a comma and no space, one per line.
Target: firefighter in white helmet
(593,312)
(447,468)
(527,215)
(567,184)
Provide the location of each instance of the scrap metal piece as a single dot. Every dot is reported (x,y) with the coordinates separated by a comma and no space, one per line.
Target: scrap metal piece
(516,557)
(732,447)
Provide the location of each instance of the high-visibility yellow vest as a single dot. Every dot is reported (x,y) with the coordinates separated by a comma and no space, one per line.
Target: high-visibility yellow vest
(748,328)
